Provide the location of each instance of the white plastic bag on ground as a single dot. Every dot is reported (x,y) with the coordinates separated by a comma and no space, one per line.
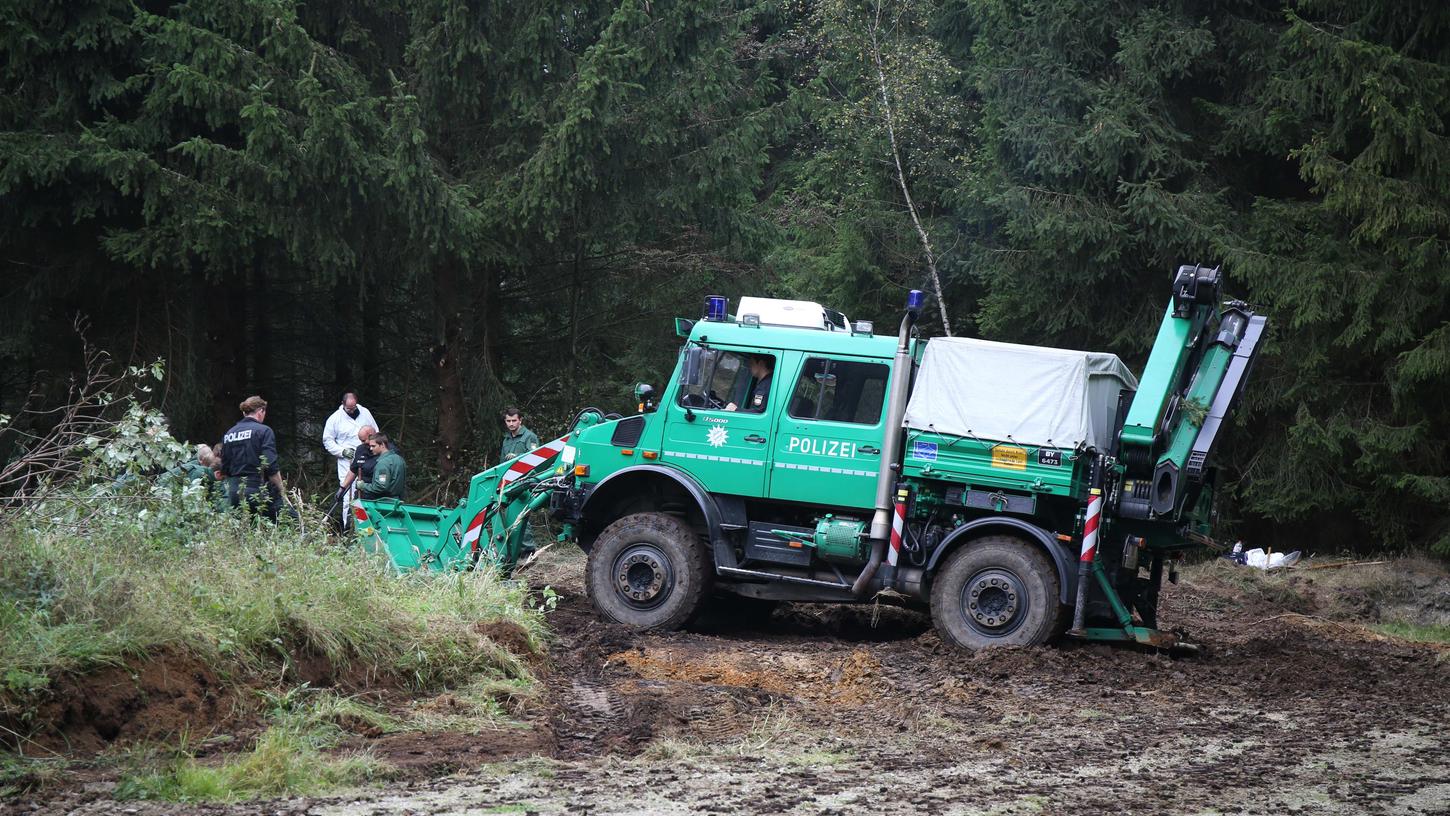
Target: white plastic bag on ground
(1267,561)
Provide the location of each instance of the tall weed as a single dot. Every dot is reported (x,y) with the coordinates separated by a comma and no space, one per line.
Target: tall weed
(242,597)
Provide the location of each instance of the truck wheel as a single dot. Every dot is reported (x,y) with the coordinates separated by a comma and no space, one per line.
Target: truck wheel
(649,571)
(996,591)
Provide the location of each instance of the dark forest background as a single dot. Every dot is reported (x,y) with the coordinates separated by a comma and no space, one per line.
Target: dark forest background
(451,206)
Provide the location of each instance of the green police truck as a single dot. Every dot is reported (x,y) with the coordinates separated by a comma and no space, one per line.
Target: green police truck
(1021,492)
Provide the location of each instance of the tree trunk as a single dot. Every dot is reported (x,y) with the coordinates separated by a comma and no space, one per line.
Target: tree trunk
(575,290)
(228,358)
(371,337)
(344,340)
(491,391)
(263,376)
(452,412)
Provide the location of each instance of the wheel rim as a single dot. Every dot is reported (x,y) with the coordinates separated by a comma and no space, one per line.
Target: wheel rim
(642,576)
(995,602)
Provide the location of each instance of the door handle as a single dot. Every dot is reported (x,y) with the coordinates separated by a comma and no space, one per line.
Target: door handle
(755,438)
(869,449)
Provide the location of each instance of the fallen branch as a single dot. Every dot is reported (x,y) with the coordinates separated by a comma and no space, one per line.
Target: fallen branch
(1345,564)
(50,445)
(532,557)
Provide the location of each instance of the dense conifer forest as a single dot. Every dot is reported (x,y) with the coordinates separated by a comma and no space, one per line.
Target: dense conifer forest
(453,206)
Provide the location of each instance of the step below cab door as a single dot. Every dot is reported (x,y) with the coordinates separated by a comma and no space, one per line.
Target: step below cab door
(714,431)
(827,447)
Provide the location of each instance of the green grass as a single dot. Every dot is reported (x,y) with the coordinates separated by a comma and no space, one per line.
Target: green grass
(101,572)
(22,774)
(289,759)
(326,713)
(820,758)
(251,603)
(487,701)
(245,601)
(1432,633)
(286,761)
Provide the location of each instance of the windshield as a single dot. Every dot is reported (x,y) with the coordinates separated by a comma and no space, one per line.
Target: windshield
(723,379)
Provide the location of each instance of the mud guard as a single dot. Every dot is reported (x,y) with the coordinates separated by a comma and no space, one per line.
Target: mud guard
(1065,562)
(723,514)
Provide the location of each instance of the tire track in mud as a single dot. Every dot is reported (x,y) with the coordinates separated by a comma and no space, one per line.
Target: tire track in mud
(1273,717)
(589,713)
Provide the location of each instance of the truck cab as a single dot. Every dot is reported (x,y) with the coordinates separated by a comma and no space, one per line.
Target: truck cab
(796,455)
(813,436)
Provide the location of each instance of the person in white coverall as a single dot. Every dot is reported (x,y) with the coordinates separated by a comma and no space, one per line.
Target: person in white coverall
(340,439)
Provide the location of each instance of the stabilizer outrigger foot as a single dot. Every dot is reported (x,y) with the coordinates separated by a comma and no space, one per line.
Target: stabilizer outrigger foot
(1127,630)
(1172,642)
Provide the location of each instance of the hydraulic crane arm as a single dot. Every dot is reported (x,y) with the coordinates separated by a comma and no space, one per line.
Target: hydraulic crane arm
(1195,373)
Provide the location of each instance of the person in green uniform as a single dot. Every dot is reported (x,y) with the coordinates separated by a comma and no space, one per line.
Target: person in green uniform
(199,470)
(517,441)
(216,490)
(390,473)
(196,469)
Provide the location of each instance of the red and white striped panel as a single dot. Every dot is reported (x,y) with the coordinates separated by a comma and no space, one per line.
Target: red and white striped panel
(898,523)
(475,528)
(1090,526)
(533,459)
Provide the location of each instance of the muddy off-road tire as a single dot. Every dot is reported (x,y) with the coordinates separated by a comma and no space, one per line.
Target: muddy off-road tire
(996,591)
(649,571)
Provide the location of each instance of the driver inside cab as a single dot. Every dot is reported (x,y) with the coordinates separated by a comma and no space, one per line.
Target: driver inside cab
(761,367)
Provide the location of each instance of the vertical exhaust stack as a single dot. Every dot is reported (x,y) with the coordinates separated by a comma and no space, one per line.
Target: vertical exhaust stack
(891,445)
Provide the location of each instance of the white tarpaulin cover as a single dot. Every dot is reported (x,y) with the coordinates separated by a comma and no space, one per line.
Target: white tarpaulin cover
(1026,394)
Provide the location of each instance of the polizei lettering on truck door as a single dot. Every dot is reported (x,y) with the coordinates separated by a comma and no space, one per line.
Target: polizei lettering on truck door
(821,447)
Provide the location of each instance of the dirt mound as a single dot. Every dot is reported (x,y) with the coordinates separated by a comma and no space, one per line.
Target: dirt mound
(162,697)
(168,694)
(510,636)
(1414,591)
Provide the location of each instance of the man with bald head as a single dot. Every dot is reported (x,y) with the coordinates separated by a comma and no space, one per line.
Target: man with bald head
(359,467)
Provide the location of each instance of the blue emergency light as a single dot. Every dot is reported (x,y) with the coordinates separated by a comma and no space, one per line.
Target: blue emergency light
(915,299)
(716,308)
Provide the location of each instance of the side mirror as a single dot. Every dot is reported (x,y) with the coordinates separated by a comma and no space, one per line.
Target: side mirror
(694,366)
(683,326)
(644,394)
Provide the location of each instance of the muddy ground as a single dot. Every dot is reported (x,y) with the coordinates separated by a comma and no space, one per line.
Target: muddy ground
(833,710)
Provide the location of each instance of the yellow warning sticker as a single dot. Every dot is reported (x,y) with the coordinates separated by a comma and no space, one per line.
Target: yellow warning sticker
(1009,458)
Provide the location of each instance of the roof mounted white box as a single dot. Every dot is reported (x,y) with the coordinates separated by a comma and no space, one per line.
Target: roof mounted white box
(804,314)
